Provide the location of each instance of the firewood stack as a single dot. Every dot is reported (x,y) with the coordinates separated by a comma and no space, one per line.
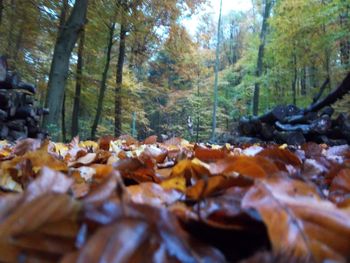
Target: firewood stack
(19,118)
(292,125)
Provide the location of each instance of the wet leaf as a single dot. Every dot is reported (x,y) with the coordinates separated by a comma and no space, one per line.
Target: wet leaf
(151,140)
(209,155)
(283,158)
(255,167)
(299,221)
(339,190)
(178,183)
(153,194)
(152,234)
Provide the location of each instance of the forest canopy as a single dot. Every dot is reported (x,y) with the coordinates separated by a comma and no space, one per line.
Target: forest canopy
(133,67)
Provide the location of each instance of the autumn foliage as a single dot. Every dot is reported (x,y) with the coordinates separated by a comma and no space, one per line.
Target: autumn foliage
(120,200)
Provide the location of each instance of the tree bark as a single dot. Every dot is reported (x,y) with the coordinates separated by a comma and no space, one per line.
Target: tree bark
(294,82)
(63,15)
(79,80)
(11,30)
(259,67)
(103,82)
(65,42)
(63,120)
(1,10)
(303,82)
(119,75)
(217,62)
(345,43)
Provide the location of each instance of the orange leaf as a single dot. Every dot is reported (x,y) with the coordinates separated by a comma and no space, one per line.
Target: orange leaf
(299,221)
(151,140)
(281,157)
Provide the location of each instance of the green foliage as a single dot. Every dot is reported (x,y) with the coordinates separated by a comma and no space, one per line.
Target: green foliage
(169,74)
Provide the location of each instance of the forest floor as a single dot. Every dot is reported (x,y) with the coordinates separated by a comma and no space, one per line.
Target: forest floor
(126,201)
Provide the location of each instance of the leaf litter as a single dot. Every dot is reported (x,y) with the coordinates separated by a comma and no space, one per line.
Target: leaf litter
(121,200)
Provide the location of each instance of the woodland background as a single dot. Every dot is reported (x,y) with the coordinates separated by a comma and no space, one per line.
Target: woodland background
(135,69)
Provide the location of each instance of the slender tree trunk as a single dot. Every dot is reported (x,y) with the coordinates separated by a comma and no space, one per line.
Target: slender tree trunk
(259,67)
(303,81)
(65,42)
(103,82)
(1,10)
(345,43)
(63,15)
(217,62)
(133,125)
(232,58)
(294,82)
(328,68)
(11,29)
(119,75)
(198,109)
(79,80)
(63,119)
(18,42)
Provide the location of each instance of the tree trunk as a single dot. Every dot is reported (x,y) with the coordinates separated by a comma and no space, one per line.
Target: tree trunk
(345,43)
(198,109)
(1,10)
(65,42)
(103,82)
(217,62)
(259,67)
(79,80)
(119,75)
(63,15)
(303,82)
(294,82)
(63,119)
(18,42)
(11,29)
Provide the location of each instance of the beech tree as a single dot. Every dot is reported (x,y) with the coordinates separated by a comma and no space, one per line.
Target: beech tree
(66,39)
(259,65)
(78,86)
(216,75)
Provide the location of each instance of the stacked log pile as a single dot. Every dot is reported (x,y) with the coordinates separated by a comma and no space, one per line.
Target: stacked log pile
(19,118)
(292,125)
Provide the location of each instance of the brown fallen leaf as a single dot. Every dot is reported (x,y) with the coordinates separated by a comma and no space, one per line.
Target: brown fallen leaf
(153,194)
(339,190)
(26,145)
(220,221)
(299,221)
(38,159)
(213,185)
(40,229)
(151,140)
(49,181)
(209,155)
(129,140)
(153,234)
(283,158)
(87,159)
(255,167)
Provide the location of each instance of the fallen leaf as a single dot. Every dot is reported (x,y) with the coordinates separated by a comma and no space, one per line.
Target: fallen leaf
(153,234)
(153,194)
(299,221)
(49,181)
(283,158)
(151,140)
(85,160)
(339,190)
(178,183)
